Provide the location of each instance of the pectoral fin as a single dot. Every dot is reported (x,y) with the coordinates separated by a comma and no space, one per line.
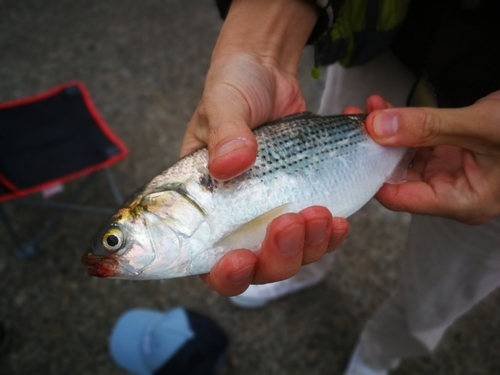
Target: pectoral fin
(251,234)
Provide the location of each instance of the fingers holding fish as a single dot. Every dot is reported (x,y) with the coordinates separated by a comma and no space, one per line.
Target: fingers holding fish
(240,94)
(279,258)
(231,144)
(233,273)
(474,127)
(319,236)
(450,183)
(229,156)
(456,171)
(376,102)
(294,240)
(373,103)
(338,234)
(351,110)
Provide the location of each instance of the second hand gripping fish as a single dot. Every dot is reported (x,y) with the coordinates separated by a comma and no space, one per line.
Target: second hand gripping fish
(184,221)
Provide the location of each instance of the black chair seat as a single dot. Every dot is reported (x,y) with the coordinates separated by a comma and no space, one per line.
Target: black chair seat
(52,138)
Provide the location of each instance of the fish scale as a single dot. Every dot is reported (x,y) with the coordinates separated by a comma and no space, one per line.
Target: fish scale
(184,221)
(298,149)
(301,151)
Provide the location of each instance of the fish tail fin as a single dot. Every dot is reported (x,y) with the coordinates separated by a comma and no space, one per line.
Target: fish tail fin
(398,175)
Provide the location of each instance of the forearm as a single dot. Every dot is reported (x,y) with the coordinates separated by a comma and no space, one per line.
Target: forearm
(273,31)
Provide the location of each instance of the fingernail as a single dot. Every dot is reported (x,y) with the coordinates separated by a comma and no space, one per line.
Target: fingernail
(241,276)
(228,147)
(336,237)
(315,231)
(385,124)
(289,240)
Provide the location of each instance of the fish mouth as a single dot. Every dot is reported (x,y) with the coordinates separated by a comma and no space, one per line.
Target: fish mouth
(100,265)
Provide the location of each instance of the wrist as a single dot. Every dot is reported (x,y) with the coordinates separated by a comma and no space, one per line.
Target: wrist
(273,31)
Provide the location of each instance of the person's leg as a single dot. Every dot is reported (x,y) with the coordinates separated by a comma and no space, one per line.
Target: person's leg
(384,76)
(386,337)
(447,268)
(459,267)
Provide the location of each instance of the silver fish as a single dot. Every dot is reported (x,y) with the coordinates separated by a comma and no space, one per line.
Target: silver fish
(184,221)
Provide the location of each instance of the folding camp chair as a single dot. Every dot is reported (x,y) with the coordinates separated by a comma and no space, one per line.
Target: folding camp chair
(49,139)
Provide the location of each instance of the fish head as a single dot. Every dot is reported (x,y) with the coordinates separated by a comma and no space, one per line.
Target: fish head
(123,249)
(146,239)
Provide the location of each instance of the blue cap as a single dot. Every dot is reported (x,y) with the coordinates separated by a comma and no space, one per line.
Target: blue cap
(143,340)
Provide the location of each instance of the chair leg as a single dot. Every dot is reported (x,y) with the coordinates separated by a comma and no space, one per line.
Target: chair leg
(20,247)
(27,250)
(59,213)
(114,188)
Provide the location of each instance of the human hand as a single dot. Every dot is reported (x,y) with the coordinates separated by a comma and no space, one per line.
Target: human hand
(456,171)
(292,240)
(241,92)
(252,80)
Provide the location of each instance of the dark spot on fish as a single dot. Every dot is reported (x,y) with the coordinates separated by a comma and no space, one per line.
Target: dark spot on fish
(207,182)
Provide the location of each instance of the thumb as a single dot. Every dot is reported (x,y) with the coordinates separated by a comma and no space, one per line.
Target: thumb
(232,146)
(415,127)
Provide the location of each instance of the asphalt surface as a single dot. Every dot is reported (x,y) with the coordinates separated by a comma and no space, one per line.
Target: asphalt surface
(144,64)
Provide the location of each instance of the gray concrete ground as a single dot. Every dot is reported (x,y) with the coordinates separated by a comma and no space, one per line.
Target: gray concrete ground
(144,63)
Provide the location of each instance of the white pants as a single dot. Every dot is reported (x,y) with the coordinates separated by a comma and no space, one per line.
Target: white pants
(447,266)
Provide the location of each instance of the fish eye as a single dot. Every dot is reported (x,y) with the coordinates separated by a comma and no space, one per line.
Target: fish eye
(113,240)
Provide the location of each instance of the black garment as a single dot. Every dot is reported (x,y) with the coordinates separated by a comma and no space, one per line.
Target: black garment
(200,355)
(327,9)
(456,43)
